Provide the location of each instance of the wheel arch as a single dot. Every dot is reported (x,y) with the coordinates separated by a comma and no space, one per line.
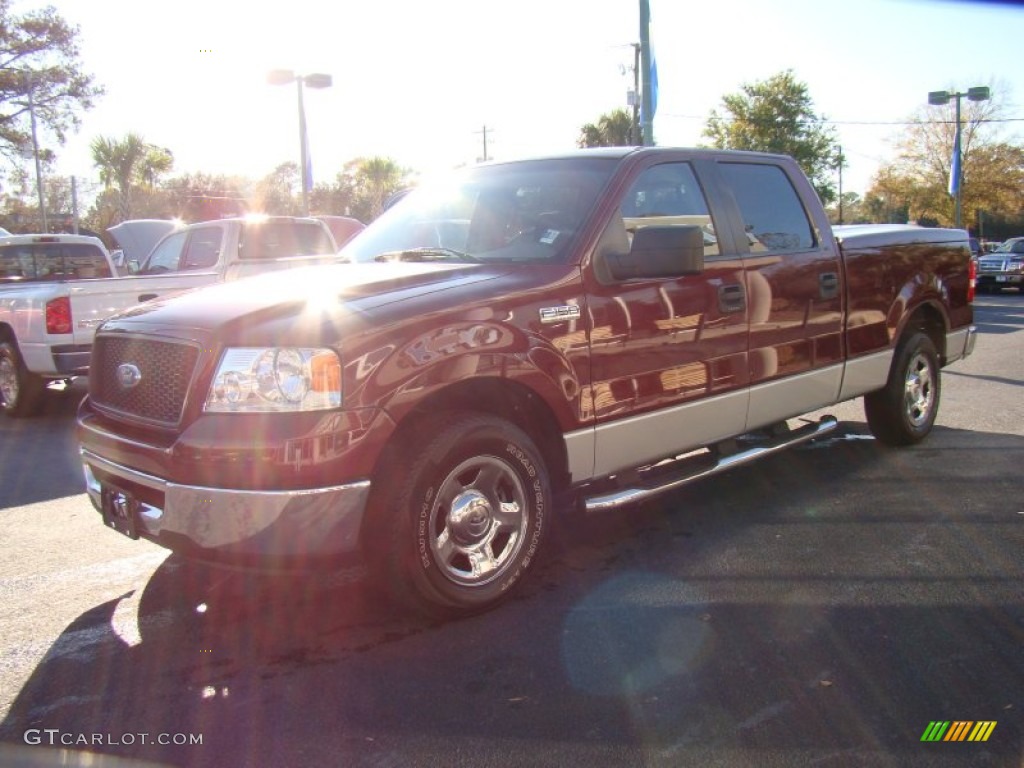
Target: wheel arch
(500,397)
(929,318)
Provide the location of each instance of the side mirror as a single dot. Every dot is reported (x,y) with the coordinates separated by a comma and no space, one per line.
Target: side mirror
(133,266)
(661,252)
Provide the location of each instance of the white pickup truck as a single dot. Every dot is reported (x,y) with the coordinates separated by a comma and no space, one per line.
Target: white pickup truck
(56,289)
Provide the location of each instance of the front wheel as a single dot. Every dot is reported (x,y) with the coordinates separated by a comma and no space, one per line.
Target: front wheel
(21,391)
(459,515)
(904,411)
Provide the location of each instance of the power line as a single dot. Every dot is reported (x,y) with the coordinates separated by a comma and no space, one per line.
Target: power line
(853,122)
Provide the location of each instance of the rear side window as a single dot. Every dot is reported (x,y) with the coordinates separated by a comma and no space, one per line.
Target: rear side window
(278,239)
(47,262)
(773,216)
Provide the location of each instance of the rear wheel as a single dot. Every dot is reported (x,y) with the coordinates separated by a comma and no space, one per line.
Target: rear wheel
(21,391)
(460,514)
(904,411)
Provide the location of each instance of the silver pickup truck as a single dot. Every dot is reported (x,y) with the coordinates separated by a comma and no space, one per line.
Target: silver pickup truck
(49,313)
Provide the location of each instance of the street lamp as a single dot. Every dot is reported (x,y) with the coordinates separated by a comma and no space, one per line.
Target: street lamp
(318,80)
(956,172)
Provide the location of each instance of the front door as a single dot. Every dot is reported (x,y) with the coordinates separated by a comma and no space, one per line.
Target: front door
(669,355)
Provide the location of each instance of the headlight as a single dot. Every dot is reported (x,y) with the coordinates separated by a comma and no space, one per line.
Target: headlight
(276,379)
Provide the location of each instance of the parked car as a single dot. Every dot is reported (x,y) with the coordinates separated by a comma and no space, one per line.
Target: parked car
(46,330)
(1003,268)
(344,228)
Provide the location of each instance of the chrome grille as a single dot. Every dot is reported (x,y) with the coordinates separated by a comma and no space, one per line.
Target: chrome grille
(166,370)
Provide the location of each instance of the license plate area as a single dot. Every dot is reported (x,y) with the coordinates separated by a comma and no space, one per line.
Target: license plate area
(1000,278)
(120,511)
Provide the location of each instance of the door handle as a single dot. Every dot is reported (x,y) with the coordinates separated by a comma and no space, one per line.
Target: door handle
(147,296)
(828,285)
(731,299)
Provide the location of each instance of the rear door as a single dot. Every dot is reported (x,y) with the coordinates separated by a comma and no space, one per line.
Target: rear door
(795,289)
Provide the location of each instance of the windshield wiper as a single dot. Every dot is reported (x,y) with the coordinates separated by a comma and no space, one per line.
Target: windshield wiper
(427,254)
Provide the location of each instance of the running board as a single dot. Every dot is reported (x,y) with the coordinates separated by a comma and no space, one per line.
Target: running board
(624,496)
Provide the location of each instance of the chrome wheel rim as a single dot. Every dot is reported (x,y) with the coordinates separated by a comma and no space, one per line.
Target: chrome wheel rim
(8,381)
(478,521)
(919,390)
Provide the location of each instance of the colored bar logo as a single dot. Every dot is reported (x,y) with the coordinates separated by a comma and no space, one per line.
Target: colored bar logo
(958,730)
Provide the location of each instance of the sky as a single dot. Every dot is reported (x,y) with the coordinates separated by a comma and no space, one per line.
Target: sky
(419,82)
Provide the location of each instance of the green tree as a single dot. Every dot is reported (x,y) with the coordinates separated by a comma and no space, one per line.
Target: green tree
(369,182)
(129,165)
(612,129)
(39,53)
(280,191)
(777,115)
(917,180)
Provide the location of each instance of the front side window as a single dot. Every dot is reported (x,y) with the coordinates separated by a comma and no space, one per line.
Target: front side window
(508,213)
(166,256)
(668,195)
(773,216)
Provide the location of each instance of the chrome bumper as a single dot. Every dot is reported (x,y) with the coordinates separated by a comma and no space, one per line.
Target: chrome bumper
(317,522)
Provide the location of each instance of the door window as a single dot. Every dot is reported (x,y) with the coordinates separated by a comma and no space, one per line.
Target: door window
(773,217)
(668,195)
(166,256)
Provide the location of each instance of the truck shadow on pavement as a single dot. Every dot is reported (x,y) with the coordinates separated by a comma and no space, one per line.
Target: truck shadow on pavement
(39,455)
(821,607)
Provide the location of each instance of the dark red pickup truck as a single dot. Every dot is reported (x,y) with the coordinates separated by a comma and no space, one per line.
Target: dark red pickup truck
(508,342)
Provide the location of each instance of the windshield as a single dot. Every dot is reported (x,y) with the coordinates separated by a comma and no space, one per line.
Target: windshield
(514,212)
(1011,246)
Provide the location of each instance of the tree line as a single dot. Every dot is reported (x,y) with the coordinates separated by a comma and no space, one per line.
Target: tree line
(777,115)
(41,77)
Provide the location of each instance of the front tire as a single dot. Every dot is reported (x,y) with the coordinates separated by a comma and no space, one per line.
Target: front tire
(21,391)
(904,411)
(459,515)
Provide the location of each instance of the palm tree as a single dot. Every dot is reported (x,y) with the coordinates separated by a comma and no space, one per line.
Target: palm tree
(612,129)
(380,177)
(128,164)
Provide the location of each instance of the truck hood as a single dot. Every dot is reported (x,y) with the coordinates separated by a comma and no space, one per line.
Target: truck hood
(339,288)
(137,237)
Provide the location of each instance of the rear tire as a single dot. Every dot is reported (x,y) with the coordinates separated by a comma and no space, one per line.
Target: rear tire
(21,391)
(904,411)
(458,515)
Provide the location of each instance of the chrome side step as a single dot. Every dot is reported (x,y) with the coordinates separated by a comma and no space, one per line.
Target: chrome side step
(624,496)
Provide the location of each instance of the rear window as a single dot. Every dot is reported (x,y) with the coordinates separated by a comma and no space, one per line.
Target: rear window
(277,239)
(49,262)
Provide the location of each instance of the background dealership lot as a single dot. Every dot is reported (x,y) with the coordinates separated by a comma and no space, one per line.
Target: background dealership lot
(819,608)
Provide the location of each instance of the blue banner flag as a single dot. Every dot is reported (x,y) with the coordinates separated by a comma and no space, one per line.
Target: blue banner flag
(954,171)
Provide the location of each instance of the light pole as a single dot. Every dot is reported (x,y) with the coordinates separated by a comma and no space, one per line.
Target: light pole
(317,80)
(956,172)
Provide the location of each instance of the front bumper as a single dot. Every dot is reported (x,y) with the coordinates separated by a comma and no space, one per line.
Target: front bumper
(1015,279)
(236,525)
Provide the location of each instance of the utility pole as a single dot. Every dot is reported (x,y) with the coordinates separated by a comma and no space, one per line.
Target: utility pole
(646,110)
(485,158)
(840,183)
(35,152)
(74,205)
(635,127)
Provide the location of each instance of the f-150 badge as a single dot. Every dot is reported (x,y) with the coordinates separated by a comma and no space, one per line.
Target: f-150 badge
(559,314)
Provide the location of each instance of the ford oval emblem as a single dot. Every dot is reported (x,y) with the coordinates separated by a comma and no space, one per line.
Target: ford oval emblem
(128,375)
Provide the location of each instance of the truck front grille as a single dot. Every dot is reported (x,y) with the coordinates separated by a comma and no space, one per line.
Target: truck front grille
(142,378)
